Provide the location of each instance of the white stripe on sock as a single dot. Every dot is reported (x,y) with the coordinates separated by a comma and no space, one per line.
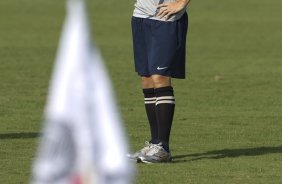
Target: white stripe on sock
(165,102)
(165,98)
(150,102)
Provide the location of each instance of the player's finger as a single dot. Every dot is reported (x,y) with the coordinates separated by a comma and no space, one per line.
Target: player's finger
(168,15)
(162,5)
(162,10)
(164,14)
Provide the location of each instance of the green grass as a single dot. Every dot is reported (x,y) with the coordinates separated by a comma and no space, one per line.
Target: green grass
(226,131)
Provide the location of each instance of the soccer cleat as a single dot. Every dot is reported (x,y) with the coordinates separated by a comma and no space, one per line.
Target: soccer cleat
(156,154)
(136,156)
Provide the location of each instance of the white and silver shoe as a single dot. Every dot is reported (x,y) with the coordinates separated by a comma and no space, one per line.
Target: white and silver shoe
(143,152)
(156,154)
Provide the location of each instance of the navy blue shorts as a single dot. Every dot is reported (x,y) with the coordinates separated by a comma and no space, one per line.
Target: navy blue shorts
(159,46)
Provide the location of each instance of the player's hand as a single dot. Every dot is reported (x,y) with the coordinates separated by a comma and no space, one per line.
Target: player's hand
(168,9)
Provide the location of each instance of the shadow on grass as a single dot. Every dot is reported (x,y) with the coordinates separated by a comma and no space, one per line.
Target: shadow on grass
(227,153)
(22,135)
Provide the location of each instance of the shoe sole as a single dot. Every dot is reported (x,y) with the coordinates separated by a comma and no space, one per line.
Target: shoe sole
(143,160)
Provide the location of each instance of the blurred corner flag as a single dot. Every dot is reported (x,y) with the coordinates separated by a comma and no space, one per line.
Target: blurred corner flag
(83,141)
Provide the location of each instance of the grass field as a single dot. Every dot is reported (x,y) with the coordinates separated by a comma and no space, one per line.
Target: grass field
(225,131)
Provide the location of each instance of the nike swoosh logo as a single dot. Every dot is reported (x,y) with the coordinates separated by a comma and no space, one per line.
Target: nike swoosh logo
(161,68)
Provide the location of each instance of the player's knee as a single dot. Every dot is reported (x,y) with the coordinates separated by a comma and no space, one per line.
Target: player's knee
(147,82)
(161,81)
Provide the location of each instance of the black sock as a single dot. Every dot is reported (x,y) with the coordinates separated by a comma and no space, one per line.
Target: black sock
(150,106)
(165,105)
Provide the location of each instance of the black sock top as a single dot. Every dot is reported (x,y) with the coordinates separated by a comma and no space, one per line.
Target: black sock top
(164,91)
(149,92)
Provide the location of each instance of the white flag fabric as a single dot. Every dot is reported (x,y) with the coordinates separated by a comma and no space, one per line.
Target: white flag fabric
(83,141)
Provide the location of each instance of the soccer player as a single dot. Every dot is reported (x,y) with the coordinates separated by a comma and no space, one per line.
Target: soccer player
(159,29)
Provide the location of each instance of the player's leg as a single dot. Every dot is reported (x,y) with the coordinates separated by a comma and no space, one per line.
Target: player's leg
(150,106)
(141,42)
(165,104)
